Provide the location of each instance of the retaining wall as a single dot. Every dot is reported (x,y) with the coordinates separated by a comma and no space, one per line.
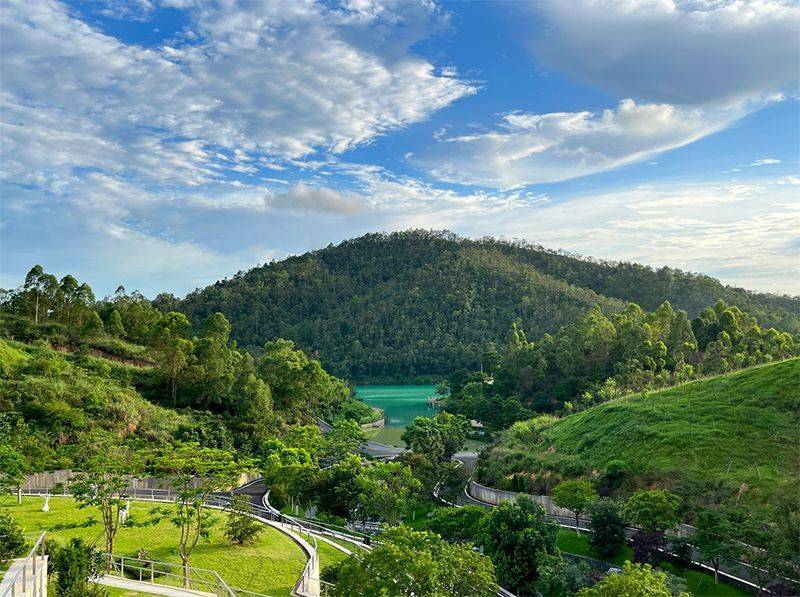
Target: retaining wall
(490,495)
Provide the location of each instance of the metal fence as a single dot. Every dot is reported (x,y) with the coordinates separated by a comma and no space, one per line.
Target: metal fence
(309,584)
(171,574)
(31,573)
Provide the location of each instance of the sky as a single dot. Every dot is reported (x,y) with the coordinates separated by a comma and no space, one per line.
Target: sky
(166,144)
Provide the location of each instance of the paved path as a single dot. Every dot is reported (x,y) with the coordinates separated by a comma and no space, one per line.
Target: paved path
(374,449)
(149,588)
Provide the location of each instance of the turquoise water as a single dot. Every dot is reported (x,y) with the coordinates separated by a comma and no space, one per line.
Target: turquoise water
(400,403)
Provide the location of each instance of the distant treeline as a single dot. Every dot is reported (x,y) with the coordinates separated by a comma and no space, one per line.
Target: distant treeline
(602,356)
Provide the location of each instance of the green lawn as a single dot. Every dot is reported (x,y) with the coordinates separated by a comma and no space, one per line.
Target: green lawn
(699,583)
(272,565)
(387,435)
(329,555)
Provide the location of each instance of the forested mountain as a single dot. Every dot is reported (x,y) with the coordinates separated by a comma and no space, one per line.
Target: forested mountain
(420,303)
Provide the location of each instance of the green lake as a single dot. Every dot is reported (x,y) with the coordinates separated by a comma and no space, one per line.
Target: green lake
(400,403)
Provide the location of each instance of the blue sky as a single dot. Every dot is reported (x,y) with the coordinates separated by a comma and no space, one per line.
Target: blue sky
(165,144)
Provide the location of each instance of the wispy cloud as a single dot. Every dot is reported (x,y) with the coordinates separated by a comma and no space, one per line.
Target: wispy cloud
(690,68)
(535,148)
(765,162)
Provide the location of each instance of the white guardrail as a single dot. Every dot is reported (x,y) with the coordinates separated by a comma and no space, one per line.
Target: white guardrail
(28,577)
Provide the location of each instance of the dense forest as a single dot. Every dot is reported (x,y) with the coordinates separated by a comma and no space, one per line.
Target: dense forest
(599,357)
(415,304)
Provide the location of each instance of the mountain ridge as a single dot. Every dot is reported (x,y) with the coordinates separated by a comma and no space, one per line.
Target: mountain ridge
(419,304)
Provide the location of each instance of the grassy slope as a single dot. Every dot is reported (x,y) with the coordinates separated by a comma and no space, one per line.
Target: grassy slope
(272,565)
(718,428)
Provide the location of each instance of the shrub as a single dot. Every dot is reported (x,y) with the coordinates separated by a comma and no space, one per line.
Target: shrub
(634,579)
(75,564)
(12,540)
(241,528)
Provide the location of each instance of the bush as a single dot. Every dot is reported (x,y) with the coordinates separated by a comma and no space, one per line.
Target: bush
(75,564)
(357,411)
(12,540)
(241,528)
(612,477)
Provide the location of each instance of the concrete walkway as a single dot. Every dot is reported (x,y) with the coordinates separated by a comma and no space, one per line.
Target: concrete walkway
(149,588)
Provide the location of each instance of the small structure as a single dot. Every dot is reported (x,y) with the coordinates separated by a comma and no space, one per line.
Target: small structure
(125,513)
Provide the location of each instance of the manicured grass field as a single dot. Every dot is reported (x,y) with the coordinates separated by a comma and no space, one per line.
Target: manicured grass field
(328,555)
(271,565)
(699,583)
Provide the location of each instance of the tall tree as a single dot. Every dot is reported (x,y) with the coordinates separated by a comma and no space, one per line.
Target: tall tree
(42,288)
(13,468)
(174,348)
(194,473)
(519,539)
(653,512)
(114,324)
(716,539)
(103,484)
(385,490)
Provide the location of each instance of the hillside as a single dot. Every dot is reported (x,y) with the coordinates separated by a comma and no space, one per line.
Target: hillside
(413,304)
(58,408)
(707,437)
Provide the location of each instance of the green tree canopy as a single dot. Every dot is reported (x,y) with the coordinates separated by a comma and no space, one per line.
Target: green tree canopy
(409,562)
(654,510)
(576,495)
(635,580)
(519,539)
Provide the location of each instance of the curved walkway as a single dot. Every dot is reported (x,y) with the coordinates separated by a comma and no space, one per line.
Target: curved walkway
(147,588)
(371,448)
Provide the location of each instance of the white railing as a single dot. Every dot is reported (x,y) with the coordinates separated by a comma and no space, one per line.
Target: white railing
(171,574)
(19,583)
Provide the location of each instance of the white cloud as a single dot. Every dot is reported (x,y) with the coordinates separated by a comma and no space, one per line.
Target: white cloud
(676,51)
(745,235)
(536,148)
(691,68)
(302,197)
(765,162)
(280,79)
